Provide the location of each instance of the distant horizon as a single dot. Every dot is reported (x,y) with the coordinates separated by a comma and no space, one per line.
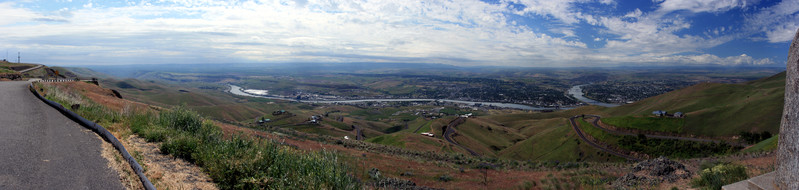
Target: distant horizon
(439,64)
(518,33)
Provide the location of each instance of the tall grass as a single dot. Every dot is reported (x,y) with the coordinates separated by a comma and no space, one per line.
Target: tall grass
(238,162)
(235,162)
(89,110)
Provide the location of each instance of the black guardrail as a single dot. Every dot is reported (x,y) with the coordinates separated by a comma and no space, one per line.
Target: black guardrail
(100,130)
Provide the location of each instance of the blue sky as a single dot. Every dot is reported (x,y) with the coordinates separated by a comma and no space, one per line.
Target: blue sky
(536,33)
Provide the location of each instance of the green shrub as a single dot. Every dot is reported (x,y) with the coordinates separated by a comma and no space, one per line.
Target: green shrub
(155,134)
(243,163)
(720,175)
(180,118)
(182,146)
(445,178)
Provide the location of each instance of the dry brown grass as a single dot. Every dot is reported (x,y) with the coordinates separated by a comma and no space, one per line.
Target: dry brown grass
(102,96)
(168,172)
(116,162)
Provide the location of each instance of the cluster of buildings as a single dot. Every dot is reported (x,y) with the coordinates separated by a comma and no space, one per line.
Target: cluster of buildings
(661,113)
(315,119)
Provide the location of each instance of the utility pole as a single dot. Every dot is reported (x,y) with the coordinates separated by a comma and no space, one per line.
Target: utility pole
(18,58)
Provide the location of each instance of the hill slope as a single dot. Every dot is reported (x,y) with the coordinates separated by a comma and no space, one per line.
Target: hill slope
(719,109)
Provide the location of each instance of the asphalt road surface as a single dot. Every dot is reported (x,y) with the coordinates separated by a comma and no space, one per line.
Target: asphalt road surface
(595,123)
(589,142)
(30,69)
(42,149)
(450,130)
(358,133)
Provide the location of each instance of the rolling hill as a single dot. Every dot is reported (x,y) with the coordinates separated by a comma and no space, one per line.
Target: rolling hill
(718,109)
(714,110)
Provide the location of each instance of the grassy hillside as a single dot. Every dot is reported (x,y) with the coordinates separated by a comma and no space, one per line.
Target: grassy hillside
(718,109)
(83,72)
(769,144)
(712,109)
(556,143)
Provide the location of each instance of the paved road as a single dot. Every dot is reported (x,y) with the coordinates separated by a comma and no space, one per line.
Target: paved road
(582,136)
(450,129)
(42,149)
(358,132)
(595,122)
(30,69)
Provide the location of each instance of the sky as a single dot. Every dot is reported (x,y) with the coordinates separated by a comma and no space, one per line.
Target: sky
(527,33)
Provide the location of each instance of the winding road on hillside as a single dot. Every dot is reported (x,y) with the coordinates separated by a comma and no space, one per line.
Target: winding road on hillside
(595,122)
(358,132)
(30,69)
(582,136)
(449,130)
(42,149)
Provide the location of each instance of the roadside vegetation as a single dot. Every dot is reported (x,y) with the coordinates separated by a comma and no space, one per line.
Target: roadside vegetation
(769,144)
(715,175)
(4,70)
(232,161)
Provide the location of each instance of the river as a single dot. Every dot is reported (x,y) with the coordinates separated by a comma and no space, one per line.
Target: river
(238,91)
(577,92)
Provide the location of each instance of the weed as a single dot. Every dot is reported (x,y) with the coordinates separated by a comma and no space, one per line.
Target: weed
(719,175)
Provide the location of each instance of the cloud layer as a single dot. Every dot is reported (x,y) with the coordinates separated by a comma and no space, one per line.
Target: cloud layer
(464,32)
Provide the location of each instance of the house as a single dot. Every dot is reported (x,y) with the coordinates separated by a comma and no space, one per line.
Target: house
(679,115)
(660,113)
(262,120)
(428,134)
(279,112)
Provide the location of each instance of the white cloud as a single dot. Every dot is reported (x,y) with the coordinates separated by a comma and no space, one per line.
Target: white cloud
(698,6)
(453,32)
(742,59)
(11,14)
(563,10)
(634,14)
(463,32)
(779,22)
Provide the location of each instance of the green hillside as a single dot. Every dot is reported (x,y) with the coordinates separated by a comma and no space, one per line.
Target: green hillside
(83,72)
(717,109)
